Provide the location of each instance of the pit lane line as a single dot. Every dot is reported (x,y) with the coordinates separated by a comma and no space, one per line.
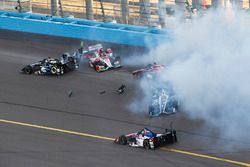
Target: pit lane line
(112,139)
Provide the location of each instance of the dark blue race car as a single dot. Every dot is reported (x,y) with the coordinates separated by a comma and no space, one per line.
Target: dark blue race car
(51,66)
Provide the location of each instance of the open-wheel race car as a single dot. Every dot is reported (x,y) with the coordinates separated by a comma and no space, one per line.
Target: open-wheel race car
(147,139)
(100,59)
(150,71)
(52,66)
(163,101)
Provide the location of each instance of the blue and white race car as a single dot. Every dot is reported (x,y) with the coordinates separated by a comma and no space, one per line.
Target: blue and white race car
(147,139)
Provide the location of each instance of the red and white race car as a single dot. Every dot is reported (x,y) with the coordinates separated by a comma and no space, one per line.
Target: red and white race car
(147,139)
(149,71)
(100,59)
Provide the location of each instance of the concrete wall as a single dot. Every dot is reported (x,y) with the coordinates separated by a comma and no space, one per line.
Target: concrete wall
(83,29)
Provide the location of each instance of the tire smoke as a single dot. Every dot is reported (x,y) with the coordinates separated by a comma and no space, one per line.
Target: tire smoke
(208,63)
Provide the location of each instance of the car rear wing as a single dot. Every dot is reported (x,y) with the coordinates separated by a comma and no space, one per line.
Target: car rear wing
(95,47)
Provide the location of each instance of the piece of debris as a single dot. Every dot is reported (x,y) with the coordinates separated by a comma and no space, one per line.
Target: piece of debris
(70,93)
(102,92)
(121,89)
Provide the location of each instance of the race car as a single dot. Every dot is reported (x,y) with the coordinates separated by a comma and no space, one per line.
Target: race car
(51,66)
(150,71)
(163,101)
(147,139)
(101,60)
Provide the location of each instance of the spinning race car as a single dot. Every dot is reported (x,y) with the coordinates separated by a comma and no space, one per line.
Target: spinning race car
(163,102)
(147,139)
(51,66)
(101,60)
(150,71)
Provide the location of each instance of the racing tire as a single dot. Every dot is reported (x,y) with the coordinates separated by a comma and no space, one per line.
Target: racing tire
(163,140)
(96,66)
(91,64)
(146,144)
(59,71)
(53,70)
(38,72)
(157,143)
(150,113)
(138,75)
(71,59)
(117,58)
(173,137)
(174,110)
(27,70)
(62,72)
(175,140)
(131,140)
(122,140)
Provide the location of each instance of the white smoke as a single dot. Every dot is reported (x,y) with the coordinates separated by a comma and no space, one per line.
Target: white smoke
(208,63)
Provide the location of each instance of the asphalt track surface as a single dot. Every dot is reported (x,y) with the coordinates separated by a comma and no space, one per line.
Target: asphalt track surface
(41,126)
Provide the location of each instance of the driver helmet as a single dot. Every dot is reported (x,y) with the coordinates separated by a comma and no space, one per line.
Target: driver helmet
(47,59)
(101,50)
(109,50)
(149,66)
(64,56)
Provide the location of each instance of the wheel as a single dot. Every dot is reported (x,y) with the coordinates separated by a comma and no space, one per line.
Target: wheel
(139,75)
(59,71)
(122,140)
(71,59)
(95,66)
(175,136)
(117,58)
(146,144)
(150,113)
(174,110)
(131,140)
(53,70)
(163,141)
(27,70)
(157,144)
(38,72)
(91,64)
(62,72)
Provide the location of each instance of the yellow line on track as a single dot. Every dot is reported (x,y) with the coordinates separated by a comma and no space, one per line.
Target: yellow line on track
(207,156)
(111,139)
(55,129)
